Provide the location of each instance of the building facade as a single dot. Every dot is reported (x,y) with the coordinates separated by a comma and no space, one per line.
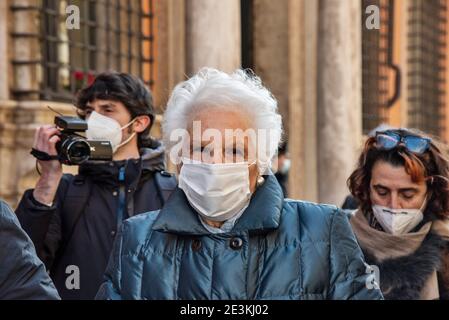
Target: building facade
(335,79)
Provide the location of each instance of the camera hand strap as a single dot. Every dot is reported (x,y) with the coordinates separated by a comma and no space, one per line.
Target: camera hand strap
(42,156)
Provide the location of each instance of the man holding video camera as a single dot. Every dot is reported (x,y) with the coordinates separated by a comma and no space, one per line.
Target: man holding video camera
(73,220)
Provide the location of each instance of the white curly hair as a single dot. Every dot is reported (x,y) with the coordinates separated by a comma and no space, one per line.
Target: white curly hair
(211,88)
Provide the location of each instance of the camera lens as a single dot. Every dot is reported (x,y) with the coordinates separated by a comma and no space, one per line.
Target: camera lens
(77,151)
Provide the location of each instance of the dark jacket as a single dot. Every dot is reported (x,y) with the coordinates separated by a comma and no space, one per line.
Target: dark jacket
(105,194)
(350,203)
(22,274)
(278,249)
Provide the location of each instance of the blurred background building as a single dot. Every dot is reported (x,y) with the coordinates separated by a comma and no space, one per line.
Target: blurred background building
(335,78)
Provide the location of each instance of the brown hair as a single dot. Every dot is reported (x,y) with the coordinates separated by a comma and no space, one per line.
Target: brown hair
(431,166)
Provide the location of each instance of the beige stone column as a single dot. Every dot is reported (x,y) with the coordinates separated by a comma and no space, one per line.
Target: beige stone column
(170,49)
(339,96)
(271,56)
(285,34)
(303,115)
(4,63)
(212,35)
(294,120)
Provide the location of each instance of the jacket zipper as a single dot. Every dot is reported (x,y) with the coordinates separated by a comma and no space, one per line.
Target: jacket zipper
(121,197)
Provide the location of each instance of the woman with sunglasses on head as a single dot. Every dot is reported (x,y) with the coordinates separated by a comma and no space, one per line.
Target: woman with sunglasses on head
(402,184)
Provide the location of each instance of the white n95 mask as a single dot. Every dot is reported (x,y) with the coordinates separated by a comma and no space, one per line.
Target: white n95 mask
(217,192)
(100,127)
(398,221)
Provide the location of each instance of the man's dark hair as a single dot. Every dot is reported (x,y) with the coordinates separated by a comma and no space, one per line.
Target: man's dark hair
(282,149)
(125,88)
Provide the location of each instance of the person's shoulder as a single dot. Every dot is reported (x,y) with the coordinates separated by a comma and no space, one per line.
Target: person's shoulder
(6,212)
(311,213)
(3,205)
(142,219)
(307,208)
(317,220)
(165,180)
(8,219)
(138,228)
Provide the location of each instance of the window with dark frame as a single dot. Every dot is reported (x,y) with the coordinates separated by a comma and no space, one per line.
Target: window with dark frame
(376,65)
(427,65)
(114,35)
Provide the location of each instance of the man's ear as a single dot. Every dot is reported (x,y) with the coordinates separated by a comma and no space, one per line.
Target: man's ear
(141,123)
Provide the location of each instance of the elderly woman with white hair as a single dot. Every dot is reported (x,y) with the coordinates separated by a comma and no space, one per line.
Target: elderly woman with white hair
(227,232)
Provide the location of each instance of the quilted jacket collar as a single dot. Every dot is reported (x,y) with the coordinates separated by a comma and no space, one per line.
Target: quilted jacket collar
(263,213)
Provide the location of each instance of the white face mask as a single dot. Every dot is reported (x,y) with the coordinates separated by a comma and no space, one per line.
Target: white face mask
(217,192)
(398,221)
(100,127)
(285,166)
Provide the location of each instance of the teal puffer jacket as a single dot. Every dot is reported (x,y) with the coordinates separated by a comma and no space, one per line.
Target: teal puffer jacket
(278,249)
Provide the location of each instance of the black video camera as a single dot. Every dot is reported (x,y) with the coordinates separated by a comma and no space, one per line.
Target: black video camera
(74,149)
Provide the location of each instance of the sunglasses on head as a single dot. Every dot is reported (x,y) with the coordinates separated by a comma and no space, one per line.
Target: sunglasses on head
(390,139)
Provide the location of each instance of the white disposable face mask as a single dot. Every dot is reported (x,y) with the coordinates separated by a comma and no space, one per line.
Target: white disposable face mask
(100,127)
(398,221)
(285,166)
(217,192)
